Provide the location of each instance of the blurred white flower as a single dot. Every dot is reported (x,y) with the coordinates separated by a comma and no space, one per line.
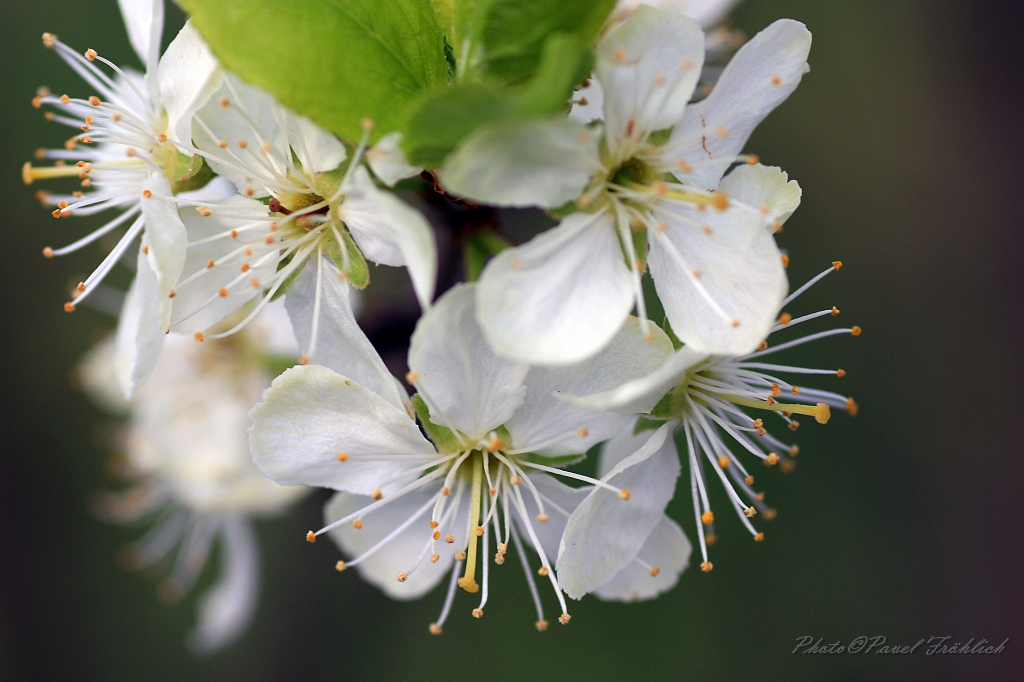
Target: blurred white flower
(707,13)
(705,395)
(315,206)
(185,445)
(128,159)
(648,177)
(496,428)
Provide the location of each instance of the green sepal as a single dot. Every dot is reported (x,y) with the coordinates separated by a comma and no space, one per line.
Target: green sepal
(639,236)
(358,273)
(564,210)
(478,249)
(195,175)
(645,424)
(660,137)
(672,405)
(283,289)
(443,437)
(556,462)
(667,328)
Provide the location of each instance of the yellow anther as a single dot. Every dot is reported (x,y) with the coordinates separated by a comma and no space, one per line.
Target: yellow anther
(706,566)
(342,456)
(856,330)
(769,514)
(478,613)
(412,377)
(542,625)
(516,480)
(434,558)
(835,311)
(479,531)
(47,252)
(785,318)
(776,80)
(759,537)
(753,159)
(340,566)
(564,618)
(710,539)
(750,480)
(377,494)
(655,571)
(401,577)
(310,536)
(837,264)
(542,571)
(582,432)
(450,539)
(435,629)
(707,517)
(851,407)
(499,558)
(225,102)
(723,462)
(795,390)
(624,494)
(199,336)
(785,261)
(357,524)
(69,307)
(771,459)
(446,491)
(366,124)
(542,518)
(146,193)
(436,535)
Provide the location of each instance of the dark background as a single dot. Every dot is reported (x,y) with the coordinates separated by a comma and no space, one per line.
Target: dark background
(904,522)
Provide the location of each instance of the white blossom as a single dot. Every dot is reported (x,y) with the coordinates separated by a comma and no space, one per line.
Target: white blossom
(499,438)
(647,187)
(186,450)
(705,396)
(126,156)
(315,206)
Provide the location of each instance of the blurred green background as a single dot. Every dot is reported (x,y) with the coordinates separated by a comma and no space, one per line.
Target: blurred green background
(904,522)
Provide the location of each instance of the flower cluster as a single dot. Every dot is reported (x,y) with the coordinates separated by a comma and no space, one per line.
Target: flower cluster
(234,200)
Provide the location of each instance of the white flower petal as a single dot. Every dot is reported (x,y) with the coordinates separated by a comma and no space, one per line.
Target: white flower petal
(560,297)
(390,232)
(254,118)
(648,68)
(668,549)
(707,13)
(740,266)
(464,383)
(634,397)
(542,163)
(97,374)
(144,21)
(388,162)
(165,239)
(310,414)
(401,553)
(189,74)
(318,150)
(341,344)
(761,76)
(588,102)
(139,336)
(605,532)
(226,610)
(562,428)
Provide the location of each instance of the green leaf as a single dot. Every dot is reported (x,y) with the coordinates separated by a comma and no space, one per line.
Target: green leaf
(336,61)
(445,118)
(443,437)
(507,38)
(357,272)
